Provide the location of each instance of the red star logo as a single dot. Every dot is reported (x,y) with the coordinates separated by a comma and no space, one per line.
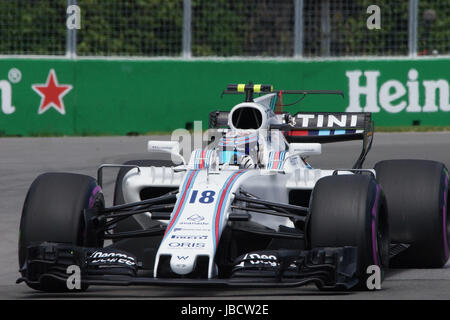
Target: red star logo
(52,93)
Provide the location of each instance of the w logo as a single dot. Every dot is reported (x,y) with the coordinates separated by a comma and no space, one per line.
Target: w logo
(182,257)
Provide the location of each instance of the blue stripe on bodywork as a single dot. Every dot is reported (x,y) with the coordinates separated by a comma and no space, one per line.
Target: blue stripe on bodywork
(324,132)
(185,190)
(239,173)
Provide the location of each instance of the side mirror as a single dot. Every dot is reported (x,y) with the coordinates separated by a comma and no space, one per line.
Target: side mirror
(172,147)
(305,149)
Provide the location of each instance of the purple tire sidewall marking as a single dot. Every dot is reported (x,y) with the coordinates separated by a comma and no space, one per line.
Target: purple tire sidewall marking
(96,190)
(444,213)
(374,231)
(91,203)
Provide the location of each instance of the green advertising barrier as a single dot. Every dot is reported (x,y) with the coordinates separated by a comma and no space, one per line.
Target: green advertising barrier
(90,97)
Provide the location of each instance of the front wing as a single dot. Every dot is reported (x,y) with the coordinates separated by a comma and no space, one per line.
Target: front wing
(327,268)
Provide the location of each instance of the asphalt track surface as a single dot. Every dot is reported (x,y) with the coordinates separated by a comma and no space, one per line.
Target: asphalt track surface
(22,159)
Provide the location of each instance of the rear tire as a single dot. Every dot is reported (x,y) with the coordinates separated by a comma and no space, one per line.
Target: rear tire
(350,210)
(418,202)
(53,212)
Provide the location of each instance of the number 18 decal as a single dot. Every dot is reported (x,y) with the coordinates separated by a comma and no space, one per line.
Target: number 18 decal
(206,196)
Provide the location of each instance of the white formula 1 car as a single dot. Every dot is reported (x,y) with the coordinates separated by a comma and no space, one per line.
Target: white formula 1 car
(245,211)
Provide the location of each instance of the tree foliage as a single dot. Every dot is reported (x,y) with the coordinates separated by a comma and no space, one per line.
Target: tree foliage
(220,27)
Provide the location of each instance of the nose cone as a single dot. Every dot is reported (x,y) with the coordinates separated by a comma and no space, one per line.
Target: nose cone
(182,264)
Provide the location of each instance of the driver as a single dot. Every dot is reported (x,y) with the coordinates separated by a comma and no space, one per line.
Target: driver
(239,147)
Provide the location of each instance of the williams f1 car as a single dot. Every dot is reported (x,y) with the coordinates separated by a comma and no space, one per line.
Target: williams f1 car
(247,210)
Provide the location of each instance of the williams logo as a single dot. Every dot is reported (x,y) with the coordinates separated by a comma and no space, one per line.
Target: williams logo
(52,94)
(394,96)
(196,218)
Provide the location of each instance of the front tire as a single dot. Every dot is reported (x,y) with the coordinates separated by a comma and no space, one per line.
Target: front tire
(350,210)
(53,212)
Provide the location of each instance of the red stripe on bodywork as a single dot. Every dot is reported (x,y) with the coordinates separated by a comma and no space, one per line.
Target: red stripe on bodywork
(298,133)
(202,160)
(276,158)
(219,207)
(180,204)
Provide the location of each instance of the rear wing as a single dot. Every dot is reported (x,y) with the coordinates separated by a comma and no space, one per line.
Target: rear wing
(324,127)
(318,127)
